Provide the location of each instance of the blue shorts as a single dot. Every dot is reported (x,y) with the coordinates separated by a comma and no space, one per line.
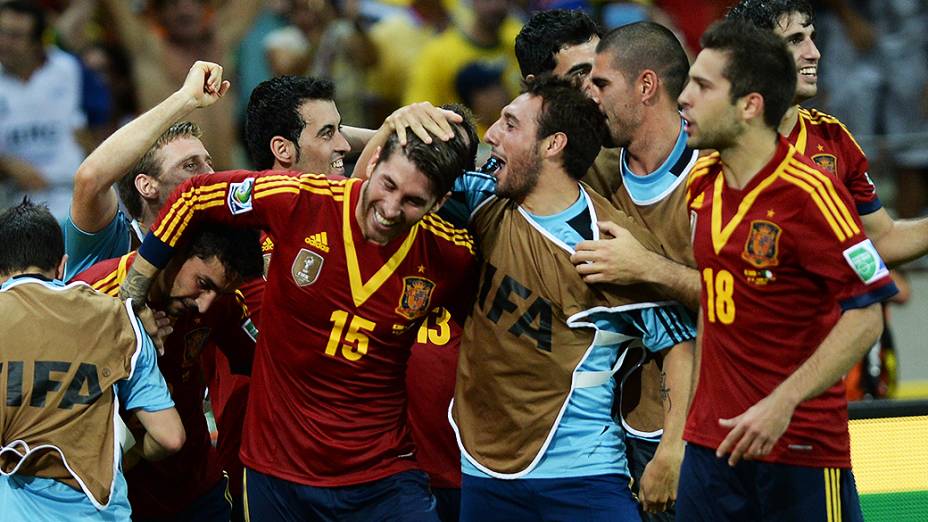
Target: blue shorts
(711,490)
(591,499)
(448,503)
(402,497)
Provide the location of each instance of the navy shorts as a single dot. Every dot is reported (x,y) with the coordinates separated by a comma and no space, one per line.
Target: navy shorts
(711,490)
(599,498)
(448,503)
(403,497)
(639,453)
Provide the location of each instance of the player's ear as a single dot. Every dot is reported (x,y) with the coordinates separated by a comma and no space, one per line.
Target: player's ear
(441,202)
(648,86)
(752,106)
(554,144)
(59,272)
(375,157)
(147,186)
(284,150)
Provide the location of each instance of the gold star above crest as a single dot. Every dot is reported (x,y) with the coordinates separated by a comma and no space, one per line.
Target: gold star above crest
(820,147)
(421,269)
(770,213)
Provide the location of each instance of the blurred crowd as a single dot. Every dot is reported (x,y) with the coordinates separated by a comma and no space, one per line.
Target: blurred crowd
(76,71)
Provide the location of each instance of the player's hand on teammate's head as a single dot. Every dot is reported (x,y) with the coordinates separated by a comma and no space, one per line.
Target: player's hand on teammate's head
(424,120)
(204,84)
(158,325)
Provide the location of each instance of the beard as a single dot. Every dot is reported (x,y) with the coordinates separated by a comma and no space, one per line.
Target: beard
(521,176)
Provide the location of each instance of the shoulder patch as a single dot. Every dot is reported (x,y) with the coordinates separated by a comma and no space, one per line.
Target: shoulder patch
(866,262)
(240,198)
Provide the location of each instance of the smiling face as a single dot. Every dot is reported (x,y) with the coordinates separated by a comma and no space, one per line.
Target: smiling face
(180,160)
(197,284)
(799,34)
(394,198)
(321,146)
(712,118)
(514,138)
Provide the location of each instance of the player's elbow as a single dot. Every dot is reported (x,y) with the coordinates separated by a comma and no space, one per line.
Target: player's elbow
(172,438)
(869,321)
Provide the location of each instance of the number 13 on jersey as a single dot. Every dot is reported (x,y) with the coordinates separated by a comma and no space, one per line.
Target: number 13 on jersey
(720,288)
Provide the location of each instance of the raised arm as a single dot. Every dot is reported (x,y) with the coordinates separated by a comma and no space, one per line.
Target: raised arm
(94,201)
(233,20)
(140,40)
(241,198)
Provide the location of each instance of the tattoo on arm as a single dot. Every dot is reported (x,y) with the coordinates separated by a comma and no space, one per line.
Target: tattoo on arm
(665,391)
(135,286)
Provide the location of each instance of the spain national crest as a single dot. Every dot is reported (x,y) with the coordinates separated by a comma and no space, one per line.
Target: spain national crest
(827,162)
(763,244)
(417,293)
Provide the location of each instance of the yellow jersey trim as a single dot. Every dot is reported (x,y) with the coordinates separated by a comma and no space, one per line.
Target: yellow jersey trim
(362,290)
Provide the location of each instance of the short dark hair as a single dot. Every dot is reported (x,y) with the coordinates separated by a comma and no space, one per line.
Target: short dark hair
(149,165)
(766,14)
(238,249)
(546,33)
(274,110)
(469,129)
(757,62)
(30,236)
(28,8)
(440,161)
(647,45)
(566,109)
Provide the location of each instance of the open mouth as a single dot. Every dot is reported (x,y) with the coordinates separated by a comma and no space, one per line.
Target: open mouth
(493,165)
(337,164)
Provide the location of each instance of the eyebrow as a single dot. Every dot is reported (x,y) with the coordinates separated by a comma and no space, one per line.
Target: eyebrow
(509,116)
(580,67)
(185,159)
(325,129)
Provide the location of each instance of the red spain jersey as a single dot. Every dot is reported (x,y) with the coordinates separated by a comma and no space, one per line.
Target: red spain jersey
(779,261)
(430,379)
(328,396)
(228,391)
(166,487)
(828,143)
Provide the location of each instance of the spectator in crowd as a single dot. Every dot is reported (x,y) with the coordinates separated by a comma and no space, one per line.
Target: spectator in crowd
(339,50)
(487,36)
(162,54)
(40,108)
(480,87)
(399,39)
(875,73)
